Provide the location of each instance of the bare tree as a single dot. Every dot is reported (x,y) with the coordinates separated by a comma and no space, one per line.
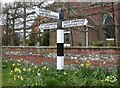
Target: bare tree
(19,18)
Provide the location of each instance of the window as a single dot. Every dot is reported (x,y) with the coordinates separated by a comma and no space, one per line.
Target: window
(109,27)
(67,38)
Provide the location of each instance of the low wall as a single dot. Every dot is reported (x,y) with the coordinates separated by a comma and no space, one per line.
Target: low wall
(99,56)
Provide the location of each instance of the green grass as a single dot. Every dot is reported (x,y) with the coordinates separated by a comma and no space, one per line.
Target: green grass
(23,73)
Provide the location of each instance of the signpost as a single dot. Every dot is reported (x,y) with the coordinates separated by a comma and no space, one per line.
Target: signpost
(74,23)
(48,26)
(65,24)
(60,24)
(60,41)
(48,13)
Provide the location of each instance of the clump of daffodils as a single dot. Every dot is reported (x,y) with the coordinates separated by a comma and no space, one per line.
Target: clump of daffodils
(87,64)
(111,79)
(17,70)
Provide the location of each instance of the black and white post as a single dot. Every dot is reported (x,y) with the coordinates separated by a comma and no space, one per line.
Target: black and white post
(60,41)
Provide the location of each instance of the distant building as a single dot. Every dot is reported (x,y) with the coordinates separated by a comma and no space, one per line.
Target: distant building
(102,23)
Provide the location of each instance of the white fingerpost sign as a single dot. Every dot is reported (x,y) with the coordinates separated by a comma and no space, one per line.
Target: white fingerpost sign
(74,23)
(65,24)
(48,13)
(48,26)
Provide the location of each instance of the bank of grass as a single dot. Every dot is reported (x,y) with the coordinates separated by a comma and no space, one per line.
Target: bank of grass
(24,73)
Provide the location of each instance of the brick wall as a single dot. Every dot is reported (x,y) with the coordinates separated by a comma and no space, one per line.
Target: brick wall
(98,56)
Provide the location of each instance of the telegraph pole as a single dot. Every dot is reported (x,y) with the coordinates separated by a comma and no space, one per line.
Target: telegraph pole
(118,27)
(113,21)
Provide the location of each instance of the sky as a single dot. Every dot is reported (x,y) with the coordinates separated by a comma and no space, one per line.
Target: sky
(7,1)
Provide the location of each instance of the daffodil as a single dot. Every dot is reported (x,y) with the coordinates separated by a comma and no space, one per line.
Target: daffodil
(24,70)
(13,64)
(14,76)
(82,65)
(44,67)
(18,64)
(21,78)
(47,69)
(11,71)
(14,79)
(88,64)
(38,74)
(17,70)
(36,83)
(64,73)
(18,60)
(38,69)
(35,67)
(29,69)
(18,76)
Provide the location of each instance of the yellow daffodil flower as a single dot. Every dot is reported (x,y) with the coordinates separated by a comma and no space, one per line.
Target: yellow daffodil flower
(38,69)
(17,70)
(14,79)
(18,76)
(14,76)
(82,65)
(18,60)
(47,69)
(44,67)
(64,73)
(21,78)
(88,64)
(29,69)
(18,64)
(13,64)
(24,70)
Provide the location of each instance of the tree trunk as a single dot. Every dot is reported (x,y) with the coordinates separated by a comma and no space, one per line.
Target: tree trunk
(12,33)
(24,29)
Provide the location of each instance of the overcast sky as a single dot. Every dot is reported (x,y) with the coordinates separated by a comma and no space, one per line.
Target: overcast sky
(7,1)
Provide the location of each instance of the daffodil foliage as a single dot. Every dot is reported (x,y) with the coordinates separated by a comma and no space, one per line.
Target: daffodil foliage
(26,73)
